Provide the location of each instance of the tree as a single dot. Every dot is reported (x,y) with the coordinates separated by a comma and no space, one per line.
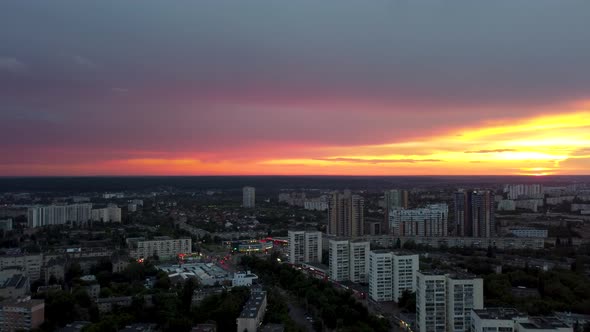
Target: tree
(408,301)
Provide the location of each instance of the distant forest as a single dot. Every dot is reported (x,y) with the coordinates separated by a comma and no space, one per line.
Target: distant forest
(264,183)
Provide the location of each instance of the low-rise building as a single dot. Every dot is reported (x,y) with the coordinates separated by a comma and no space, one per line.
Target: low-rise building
(21,314)
(529,232)
(543,324)
(106,304)
(15,285)
(252,312)
(208,274)
(162,246)
(244,279)
(511,320)
(31,264)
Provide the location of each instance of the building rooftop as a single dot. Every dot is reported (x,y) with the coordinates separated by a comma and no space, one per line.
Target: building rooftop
(253,304)
(544,323)
(498,313)
(27,303)
(16,281)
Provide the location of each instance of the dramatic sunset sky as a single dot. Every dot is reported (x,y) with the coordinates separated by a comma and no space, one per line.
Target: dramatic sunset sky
(294,87)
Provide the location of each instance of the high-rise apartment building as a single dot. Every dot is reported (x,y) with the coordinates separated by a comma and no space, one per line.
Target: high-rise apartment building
(390,274)
(381,275)
(431,220)
(339,262)
(111,213)
(305,247)
(359,261)
(346,214)
(474,213)
(444,302)
(463,295)
(431,308)
(405,267)
(39,216)
(516,191)
(393,199)
(349,260)
(248,197)
(396,198)
(482,214)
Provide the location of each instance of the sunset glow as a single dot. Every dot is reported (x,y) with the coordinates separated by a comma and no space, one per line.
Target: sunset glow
(197,89)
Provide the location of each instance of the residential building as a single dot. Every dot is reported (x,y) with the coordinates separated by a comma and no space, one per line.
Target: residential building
(106,304)
(39,216)
(396,198)
(474,214)
(405,267)
(381,275)
(428,221)
(393,199)
(339,262)
(162,246)
(444,301)
(482,214)
(252,312)
(529,232)
(244,279)
(305,247)
(111,213)
(464,293)
(516,191)
(349,260)
(30,264)
(346,214)
(293,198)
(359,261)
(316,204)
(431,309)
(248,197)
(21,314)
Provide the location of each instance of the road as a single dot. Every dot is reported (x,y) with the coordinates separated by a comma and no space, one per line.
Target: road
(296,312)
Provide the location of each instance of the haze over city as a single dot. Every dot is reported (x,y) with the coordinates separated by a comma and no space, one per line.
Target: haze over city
(260,87)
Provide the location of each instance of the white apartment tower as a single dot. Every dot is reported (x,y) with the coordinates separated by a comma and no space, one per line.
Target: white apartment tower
(444,302)
(359,261)
(39,216)
(463,295)
(305,247)
(431,310)
(390,274)
(405,267)
(431,220)
(339,253)
(349,260)
(313,247)
(381,275)
(248,197)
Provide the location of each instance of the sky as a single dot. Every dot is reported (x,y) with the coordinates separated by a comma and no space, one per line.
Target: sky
(334,87)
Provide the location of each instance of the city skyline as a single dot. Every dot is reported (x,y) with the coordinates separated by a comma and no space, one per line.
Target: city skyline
(260,88)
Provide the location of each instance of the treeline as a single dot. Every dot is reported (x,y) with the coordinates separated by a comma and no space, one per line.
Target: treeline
(558,290)
(336,309)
